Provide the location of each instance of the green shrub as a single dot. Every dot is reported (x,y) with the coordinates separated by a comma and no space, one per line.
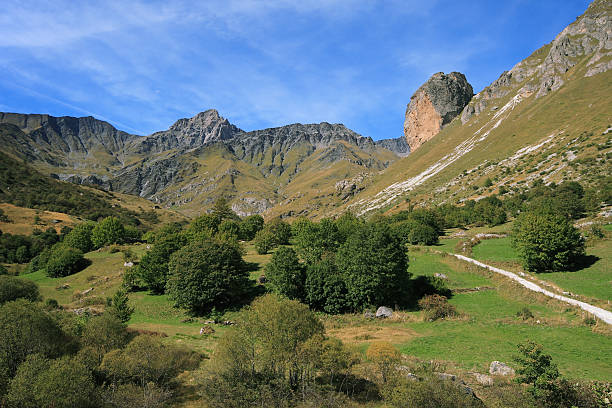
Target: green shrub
(250,226)
(436,307)
(207,274)
(80,237)
(64,261)
(264,241)
(374,265)
(108,231)
(285,274)
(13,288)
(547,241)
(61,383)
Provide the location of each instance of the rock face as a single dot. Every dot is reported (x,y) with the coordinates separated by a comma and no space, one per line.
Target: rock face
(434,105)
(545,70)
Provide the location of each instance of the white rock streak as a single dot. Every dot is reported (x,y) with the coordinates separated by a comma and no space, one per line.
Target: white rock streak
(386,196)
(600,313)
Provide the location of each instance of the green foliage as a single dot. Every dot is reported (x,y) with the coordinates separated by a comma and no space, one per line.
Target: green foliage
(80,237)
(13,288)
(207,274)
(547,242)
(488,183)
(436,307)
(103,334)
(230,228)
(264,241)
(272,356)
(536,369)
(325,288)
(280,230)
(415,233)
(22,185)
(374,265)
(430,393)
(21,248)
(108,231)
(313,240)
(286,274)
(146,360)
(61,383)
(489,211)
(64,261)
(25,329)
(133,396)
(222,211)
(153,267)
(119,306)
(250,226)
(203,227)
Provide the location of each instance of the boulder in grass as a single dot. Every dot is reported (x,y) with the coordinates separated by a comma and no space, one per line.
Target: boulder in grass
(499,368)
(384,312)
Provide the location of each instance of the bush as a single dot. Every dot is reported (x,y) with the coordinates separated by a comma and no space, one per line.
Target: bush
(147,360)
(547,242)
(153,267)
(119,307)
(250,226)
(64,261)
(385,357)
(62,383)
(325,289)
(285,274)
(230,228)
(25,329)
(421,234)
(108,231)
(290,349)
(102,334)
(264,241)
(436,307)
(207,274)
(430,393)
(374,266)
(80,237)
(280,230)
(13,288)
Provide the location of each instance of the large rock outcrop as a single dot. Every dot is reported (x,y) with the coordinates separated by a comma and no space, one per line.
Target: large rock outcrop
(435,104)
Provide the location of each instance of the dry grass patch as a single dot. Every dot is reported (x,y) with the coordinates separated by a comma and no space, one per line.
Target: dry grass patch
(367,334)
(22,220)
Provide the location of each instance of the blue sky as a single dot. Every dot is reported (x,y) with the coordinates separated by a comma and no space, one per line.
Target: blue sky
(141,65)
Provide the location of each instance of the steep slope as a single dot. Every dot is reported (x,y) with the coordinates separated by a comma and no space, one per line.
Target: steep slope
(548,117)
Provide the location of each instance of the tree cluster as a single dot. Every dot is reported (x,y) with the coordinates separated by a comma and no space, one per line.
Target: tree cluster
(52,358)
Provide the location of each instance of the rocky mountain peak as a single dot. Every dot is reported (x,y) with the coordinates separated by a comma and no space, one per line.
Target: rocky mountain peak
(434,105)
(202,128)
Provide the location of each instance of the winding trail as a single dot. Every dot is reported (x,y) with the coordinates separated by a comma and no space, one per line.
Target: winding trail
(600,313)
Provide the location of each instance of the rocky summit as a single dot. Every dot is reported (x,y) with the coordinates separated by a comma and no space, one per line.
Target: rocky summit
(434,105)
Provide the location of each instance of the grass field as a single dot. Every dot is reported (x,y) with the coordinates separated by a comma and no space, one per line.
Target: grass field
(497,249)
(488,328)
(593,281)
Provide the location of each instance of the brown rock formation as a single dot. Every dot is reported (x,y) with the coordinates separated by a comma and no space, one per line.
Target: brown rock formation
(435,104)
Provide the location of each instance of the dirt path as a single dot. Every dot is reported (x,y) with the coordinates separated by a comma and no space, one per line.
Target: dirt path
(598,312)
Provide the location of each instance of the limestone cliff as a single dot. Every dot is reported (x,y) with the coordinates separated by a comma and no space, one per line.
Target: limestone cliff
(434,105)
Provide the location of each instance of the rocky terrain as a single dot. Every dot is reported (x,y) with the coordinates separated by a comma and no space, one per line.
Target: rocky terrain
(434,105)
(198,159)
(547,118)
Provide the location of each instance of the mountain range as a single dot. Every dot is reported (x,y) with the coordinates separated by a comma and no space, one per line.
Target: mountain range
(548,117)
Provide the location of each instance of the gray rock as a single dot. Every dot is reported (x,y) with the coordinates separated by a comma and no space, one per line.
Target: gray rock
(499,368)
(384,312)
(369,315)
(440,275)
(483,379)
(458,382)
(128,264)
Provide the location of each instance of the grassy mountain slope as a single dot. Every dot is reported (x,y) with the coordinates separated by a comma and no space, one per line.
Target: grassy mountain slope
(531,123)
